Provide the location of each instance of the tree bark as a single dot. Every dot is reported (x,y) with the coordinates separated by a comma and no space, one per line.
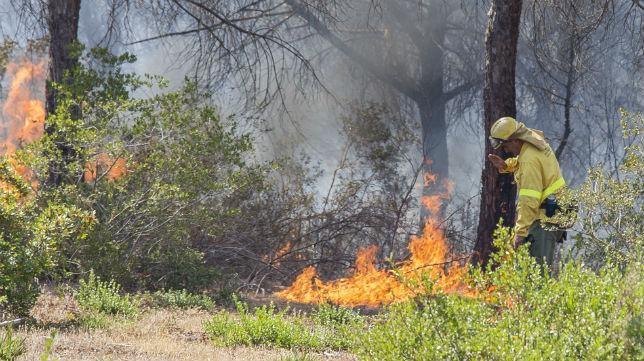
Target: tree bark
(497,191)
(62,20)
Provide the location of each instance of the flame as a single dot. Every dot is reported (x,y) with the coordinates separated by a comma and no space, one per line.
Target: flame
(279,254)
(23,113)
(370,286)
(23,120)
(104,166)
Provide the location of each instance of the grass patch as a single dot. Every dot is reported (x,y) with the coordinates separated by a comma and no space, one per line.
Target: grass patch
(268,327)
(181,299)
(297,356)
(11,347)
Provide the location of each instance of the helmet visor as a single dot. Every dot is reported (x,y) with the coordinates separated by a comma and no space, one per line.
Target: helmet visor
(496,142)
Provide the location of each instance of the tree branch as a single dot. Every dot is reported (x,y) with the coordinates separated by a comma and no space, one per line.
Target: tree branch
(402,83)
(448,95)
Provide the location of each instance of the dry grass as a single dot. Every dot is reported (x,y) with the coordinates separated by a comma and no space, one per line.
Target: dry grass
(157,334)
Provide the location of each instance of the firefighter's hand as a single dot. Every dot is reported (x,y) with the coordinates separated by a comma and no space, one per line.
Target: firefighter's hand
(497,161)
(518,241)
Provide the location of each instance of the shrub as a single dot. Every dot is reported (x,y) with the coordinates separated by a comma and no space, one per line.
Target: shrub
(182,299)
(610,225)
(528,315)
(32,229)
(104,298)
(155,173)
(331,315)
(267,327)
(11,347)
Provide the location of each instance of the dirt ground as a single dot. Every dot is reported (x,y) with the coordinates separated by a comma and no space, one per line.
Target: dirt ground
(157,334)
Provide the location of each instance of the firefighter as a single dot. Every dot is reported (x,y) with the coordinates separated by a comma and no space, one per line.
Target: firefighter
(538,178)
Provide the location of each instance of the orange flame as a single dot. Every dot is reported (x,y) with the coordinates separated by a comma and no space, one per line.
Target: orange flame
(23,119)
(370,286)
(276,260)
(23,113)
(104,166)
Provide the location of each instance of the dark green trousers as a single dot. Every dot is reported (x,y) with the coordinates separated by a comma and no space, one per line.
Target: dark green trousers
(542,243)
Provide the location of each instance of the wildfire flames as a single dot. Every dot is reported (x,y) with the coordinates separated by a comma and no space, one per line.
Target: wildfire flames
(370,286)
(23,119)
(23,113)
(104,166)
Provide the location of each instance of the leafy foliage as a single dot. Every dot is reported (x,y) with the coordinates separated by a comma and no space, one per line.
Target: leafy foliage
(155,175)
(330,315)
(611,222)
(32,230)
(181,299)
(529,316)
(267,327)
(95,295)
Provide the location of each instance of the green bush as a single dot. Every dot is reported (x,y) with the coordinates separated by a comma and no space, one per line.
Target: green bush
(330,315)
(32,229)
(528,315)
(181,299)
(610,222)
(267,327)
(11,347)
(150,227)
(104,298)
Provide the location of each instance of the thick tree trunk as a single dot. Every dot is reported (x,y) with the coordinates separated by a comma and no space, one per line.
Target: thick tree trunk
(62,20)
(63,32)
(497,192)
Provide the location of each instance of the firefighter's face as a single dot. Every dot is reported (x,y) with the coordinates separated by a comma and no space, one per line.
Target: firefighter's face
(512,146)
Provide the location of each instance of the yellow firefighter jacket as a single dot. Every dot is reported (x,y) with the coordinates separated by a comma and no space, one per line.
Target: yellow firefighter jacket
(537,175)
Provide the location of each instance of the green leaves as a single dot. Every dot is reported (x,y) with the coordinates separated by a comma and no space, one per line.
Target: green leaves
(610,225)
(268,327)
(95,295)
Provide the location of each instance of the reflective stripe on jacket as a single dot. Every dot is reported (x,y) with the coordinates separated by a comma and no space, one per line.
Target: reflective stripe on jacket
(537,176)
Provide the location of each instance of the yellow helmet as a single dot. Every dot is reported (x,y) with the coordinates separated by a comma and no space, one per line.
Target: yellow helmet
(502,130)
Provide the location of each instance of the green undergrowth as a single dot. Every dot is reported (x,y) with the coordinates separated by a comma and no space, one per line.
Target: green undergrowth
(297,356)
(102,302)
(526,314)
(11,347)
(529,315)
(266,326)
(181,299)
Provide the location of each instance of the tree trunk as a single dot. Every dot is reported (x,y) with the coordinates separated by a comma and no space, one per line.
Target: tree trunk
(497,191)
(62,20)
(431,105)
(63,32)
(435,153)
